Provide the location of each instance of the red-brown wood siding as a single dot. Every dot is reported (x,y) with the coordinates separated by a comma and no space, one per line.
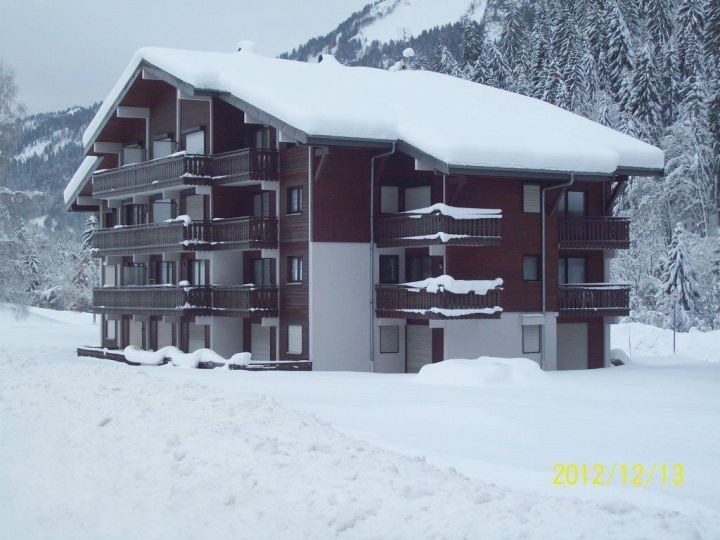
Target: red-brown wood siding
(438,344)
(229,128)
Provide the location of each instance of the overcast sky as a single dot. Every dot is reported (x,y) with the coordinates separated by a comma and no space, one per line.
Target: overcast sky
(70,52)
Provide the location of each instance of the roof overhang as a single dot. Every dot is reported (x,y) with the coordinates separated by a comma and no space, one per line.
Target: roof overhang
(74,202)
(149,71)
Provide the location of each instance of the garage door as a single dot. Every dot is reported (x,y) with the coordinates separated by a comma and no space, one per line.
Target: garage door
(260,342)
(572,346)
(418,347)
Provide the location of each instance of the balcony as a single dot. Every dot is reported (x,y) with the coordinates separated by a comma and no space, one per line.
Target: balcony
(402,302)
(238,233)
(184,169)
(428,229)
(594,233)
(214,300)
(594,299)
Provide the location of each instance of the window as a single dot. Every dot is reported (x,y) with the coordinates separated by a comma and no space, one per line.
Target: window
(389,269)
(133,154)
(110,275)
(262,137)
(110,330)
(388,199)
(389,339)
(261,204)
(198,272)
(418,267)
(573,203)
(163,209)
(531,198)
(571,270)
(263,272)
(109,219)
(135,214)
(134,274)
(295,200)
(163,273)
(195,142)
(295,341)
(531,339)
(417,197)
(531,268)
(295,269)
(196,336)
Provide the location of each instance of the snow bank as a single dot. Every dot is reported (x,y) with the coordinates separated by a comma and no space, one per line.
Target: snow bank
(483,371)
(650,345)
(458,212)
(518,132)
(456,286)
(182,359)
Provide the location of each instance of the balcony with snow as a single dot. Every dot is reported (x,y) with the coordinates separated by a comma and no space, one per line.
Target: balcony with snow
(183,169)
(216,300)
(594,300)
(184,234)
(597,232)
(441,298)
(439,224)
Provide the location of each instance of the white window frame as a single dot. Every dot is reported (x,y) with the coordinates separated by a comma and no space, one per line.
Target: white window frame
(389,339)
(531,198)
(389,200)
(534,347)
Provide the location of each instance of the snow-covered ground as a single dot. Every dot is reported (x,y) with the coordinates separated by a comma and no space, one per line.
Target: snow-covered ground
(95,449)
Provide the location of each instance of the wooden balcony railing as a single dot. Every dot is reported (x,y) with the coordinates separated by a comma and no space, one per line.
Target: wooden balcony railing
(594,299)
(399,230)
(398,301)
(186,169)
(594,233)
(237,233)
(215,299)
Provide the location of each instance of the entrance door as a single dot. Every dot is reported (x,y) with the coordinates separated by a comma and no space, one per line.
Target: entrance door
(572,346)
(260,342)
(418,347)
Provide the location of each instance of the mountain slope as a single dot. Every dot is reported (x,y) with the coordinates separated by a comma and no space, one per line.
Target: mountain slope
(370,34)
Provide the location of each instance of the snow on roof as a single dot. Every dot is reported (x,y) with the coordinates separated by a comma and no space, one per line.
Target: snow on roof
(459,122)
(456,286)
(75,185)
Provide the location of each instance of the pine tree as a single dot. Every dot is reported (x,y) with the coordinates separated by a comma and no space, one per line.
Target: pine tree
(712,32)
(445,62)
(473,41)
(679,277)
(512,40)
(690,24)
(618,53)
(29,260)
(659,15)
(644,101)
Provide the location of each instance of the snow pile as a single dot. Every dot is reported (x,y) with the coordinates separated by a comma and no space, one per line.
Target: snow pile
(452,313)
(518,132)
(456,286)
(184,219)
(457,212)
(646,344)
(483,371)
(182,359)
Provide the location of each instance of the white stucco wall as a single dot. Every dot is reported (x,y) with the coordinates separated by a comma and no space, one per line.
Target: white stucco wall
(339,306)
(226,335)
(497,337)
(390,362)
(226,267)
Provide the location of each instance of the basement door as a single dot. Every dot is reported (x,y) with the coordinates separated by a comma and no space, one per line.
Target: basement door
(572,346)
(260,342)
(418,347)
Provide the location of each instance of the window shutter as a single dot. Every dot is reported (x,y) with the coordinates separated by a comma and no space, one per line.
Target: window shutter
(389,199)
(531,198)
(295,345)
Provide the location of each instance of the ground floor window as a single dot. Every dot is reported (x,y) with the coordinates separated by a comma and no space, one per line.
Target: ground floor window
(531,339)
(295,341)
(389,339)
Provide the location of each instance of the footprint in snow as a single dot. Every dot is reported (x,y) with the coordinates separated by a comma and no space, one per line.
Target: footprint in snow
(105,421)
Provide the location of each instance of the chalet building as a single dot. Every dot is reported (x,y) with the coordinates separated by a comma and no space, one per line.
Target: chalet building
(300,211)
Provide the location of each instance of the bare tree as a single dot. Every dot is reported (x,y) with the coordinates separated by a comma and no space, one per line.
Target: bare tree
(11,110)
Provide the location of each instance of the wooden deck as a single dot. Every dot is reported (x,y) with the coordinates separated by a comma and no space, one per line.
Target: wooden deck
(407,230)
(594,233)
(594,299)
(400,302)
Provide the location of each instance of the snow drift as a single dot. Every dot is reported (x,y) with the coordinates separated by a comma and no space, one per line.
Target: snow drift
(483,371)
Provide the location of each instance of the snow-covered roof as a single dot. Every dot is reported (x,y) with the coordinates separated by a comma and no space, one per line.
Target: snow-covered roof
(452,121)
(76,183)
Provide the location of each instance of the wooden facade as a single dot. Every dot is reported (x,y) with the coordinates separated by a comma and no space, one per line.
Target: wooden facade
(267,200)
